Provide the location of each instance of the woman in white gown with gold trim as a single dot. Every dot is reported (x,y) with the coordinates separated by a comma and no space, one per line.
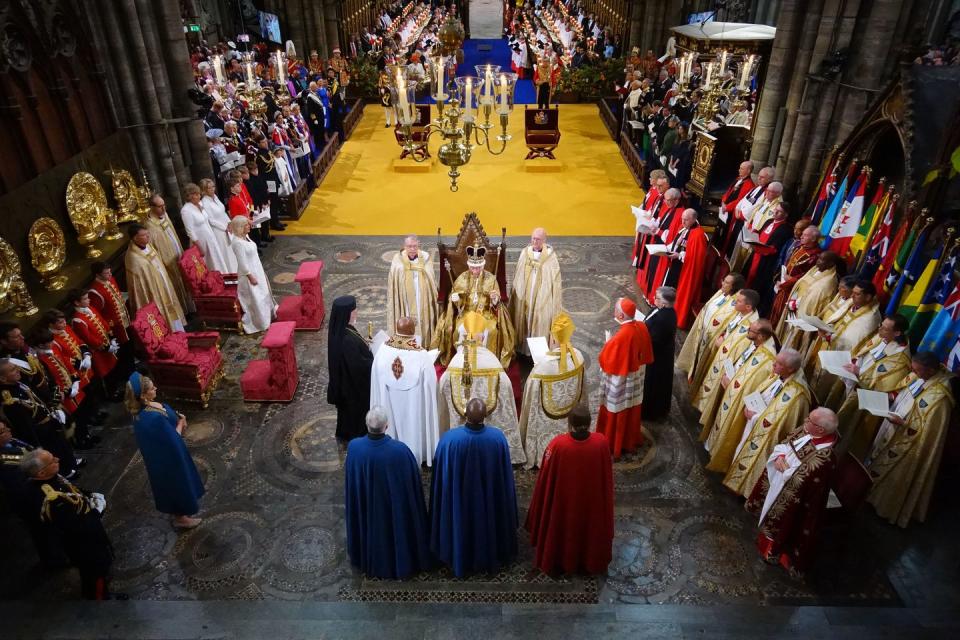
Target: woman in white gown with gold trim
(253,287)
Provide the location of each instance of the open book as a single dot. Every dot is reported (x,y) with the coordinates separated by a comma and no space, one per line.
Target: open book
(658,249)
(833,361)
(876,403)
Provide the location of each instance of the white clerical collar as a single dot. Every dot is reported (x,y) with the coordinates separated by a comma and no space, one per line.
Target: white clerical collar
(622,322)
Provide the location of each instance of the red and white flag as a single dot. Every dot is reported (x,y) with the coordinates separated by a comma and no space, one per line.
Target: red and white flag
(848,219)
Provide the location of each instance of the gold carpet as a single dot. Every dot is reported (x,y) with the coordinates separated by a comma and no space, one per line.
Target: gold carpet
(363,195)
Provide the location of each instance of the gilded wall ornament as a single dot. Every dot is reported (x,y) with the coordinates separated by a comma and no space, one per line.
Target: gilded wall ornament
(131,205)
(48,251)
(87,205)
(13,290)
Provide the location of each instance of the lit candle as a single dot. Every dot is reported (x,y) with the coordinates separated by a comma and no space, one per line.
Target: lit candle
(280,69)
(706,81)
(745,75)
(250,77)
(468,103)
(723,62)
(488,85)
(440,94)
(401,92)
(503,91)
(218,69)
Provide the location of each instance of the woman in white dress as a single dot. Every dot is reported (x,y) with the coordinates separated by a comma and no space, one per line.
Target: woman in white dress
(253,288)
(219,221)
(200,232)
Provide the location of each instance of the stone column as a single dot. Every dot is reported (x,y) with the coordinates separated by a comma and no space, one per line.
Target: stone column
(320,28)
(776,82)
(636,24)
(331,14)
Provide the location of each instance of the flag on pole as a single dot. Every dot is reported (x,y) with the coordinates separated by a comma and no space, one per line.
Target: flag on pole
(912,271)
(869,222)
(880,242)
(827,189)
(848,218)
(935,295)
(941,336)
(892,266)
(826,224)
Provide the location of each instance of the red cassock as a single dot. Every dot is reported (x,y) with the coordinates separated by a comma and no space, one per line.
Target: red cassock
(105,296)
(61,374)
(670,220)
(71,348)
(691,277)
(93,329)
(761,250)
(731,198)
(663,264)
(571,513)
(622,362)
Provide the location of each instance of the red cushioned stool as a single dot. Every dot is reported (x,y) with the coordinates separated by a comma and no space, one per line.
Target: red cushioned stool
(274,379)
(305,309)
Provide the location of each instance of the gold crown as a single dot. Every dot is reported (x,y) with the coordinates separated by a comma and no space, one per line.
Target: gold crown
(476,256)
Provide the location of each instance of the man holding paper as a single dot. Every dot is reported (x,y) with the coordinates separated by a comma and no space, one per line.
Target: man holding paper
(623,362)
(537,296)
(684,265)
(774,411)
(807,295)
(403,383)
(728,345)
(848,333)
(741,377)
(669,210)
(646,213)
(554,388)
(796,263)
(880,365)
(742,212)
(736,192)
(791,495)
(905,455)
(698,347)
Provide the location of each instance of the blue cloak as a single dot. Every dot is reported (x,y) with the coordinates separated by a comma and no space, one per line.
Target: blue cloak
(176,484)
(473,502)
(386,514)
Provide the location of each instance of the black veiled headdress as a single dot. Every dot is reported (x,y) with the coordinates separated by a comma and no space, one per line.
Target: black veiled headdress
(339,319)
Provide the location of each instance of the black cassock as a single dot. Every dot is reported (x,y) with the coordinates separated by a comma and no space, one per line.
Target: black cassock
(658,379)
(349,360)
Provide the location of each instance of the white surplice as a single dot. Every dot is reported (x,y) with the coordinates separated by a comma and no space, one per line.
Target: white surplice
(404,382)
(255,300)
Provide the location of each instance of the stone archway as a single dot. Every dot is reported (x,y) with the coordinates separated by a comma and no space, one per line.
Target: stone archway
(486,19)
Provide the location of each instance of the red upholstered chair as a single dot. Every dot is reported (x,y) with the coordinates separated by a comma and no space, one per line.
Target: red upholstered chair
(305,309)
(216,301)
(186,366)
(541,132)
(274,379)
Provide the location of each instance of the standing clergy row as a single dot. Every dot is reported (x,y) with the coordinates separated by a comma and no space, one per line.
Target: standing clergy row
(753,393)
(473,518)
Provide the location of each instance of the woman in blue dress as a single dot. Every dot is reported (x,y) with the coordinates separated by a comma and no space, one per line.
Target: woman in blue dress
(176,484)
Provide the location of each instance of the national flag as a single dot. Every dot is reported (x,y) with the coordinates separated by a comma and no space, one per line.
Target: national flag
(848,218)
(945,327)
(912,270)
(953,358)
(892,266)
(826,224)
(922,297)
(935,296)
(881,241)
(869,222)
(827,189)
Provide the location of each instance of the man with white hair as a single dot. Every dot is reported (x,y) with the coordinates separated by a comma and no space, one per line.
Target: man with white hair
(412,289)
(785,398)
(791,495)
(386,515)
(743,212)
(670,210)
(537,296)
(683,266)
(743,185)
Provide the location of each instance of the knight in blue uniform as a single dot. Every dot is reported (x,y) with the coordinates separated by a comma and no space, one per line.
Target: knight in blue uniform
(387,528)
(473,502)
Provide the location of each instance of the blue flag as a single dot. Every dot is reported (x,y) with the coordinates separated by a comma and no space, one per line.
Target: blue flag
(911,271)
(942,334)
(831,215)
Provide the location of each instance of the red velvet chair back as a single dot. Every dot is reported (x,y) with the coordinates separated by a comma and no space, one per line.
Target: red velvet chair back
(198,276)
(150,327)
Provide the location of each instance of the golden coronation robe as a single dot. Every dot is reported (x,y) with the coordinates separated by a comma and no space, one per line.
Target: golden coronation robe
(537,295)
(548,397)
(698,347)
(811,294)
(904,459)
(850,332)
(706,396)
(490,383)
(788,403)
(721,438)
(883,366)
(164,240)
(474,295)
(148,281)
(412,291)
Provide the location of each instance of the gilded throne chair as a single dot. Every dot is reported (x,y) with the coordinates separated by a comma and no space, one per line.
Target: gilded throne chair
(216,300)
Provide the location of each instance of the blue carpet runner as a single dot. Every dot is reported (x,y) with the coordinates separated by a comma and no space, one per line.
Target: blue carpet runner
(499,53)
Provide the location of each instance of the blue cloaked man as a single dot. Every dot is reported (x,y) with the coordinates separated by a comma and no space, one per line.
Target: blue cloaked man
(387,528)
(473,502)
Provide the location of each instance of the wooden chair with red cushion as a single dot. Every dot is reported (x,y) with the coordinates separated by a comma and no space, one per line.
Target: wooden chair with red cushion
(185,366)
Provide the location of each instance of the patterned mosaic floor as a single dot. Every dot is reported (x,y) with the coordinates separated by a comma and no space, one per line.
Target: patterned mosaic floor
(273,513)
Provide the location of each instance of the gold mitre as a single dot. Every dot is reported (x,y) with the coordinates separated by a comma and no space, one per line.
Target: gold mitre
(562,330)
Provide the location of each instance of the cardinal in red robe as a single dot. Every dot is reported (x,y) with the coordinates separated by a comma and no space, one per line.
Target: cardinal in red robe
(683,267)
(668,222)
(571,513)
(743,185)
(623,360)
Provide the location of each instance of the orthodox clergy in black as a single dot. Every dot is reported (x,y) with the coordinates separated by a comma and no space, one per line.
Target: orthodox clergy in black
(350,360)
(658,382)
